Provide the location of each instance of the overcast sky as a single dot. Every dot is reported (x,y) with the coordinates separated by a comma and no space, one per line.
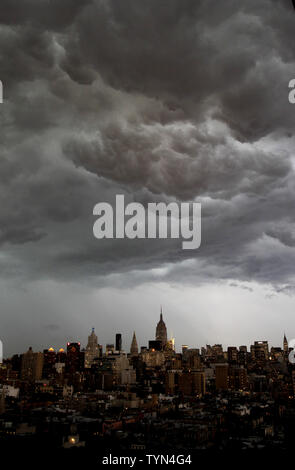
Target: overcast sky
(178,100)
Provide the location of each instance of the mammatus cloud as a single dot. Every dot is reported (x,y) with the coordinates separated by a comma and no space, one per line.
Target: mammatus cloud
(186,102)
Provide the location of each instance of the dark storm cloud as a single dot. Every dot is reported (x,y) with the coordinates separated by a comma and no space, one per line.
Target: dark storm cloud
(51,14)
(201,160)
(160,101)
(228,55)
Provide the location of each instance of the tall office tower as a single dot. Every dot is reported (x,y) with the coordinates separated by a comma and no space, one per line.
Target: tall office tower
(232,354)
(237,377)
(199,382)
(193,359)
(221,376)
(49,356)
(191,383)
(259,351)
(16,362)
(74,357)
(134,346)
(92,350)
(242,355)
(61,356)
(31,365)
(161,331)
(118,342)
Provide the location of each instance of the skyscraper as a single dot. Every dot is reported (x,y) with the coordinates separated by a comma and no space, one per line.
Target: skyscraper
(31,365)
(161,331)
(285,348)
(74,358)
(259,351)
(221,376)
(285,345)
(49,356)
(134,346)
(232,354)
(118,342)
(92,350)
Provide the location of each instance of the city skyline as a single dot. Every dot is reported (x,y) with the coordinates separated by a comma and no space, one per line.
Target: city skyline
(125,348)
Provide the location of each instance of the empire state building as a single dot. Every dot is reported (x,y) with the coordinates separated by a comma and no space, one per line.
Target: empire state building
(161,331)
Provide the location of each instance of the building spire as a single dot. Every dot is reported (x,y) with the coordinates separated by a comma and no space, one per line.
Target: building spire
(285,344)
(134,345)
(161,330)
